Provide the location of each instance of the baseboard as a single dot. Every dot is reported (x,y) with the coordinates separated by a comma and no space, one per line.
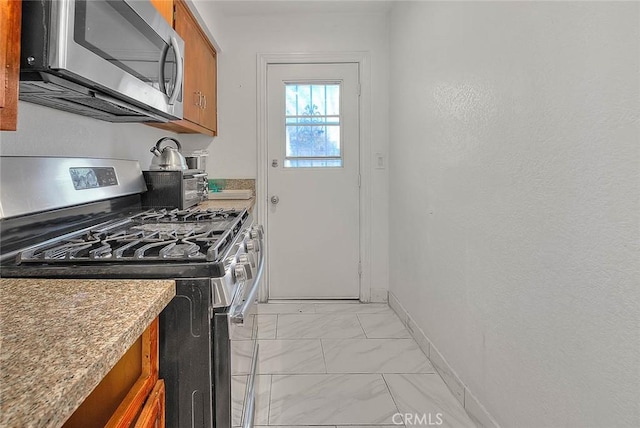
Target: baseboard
(379,295)
(473,407)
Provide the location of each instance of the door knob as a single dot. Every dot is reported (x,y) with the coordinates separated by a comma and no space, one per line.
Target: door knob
(275,200)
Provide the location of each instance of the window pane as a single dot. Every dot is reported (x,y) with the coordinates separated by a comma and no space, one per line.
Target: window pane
(313,163)
(313,141)
(312,99)
(333,99)
(312,123)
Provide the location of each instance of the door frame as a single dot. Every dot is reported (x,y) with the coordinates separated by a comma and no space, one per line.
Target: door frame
(364,111)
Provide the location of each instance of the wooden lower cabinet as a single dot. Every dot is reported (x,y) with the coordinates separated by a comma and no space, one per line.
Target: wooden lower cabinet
(10,22)
(152,415)
(130,395)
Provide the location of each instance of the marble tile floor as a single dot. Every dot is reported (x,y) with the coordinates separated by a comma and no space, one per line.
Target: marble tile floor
(339,365)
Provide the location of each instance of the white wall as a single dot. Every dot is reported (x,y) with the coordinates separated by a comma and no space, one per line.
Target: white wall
(290,31)
(515,149)
(43,131)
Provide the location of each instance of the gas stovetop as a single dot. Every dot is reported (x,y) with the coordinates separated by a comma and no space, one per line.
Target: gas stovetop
(150,236)
(157,243)
(83,218)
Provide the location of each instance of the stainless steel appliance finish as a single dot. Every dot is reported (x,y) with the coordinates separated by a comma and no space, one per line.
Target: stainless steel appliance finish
(22,192)
(175,189)
(189,339)
(214,256)
(168,158)
(118,61)
(197,159)
(242,316)
(188,334)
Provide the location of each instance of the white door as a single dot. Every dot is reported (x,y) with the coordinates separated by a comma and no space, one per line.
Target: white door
(313,219)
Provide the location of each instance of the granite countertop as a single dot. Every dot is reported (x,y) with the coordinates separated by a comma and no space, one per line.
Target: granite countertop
(228,204)
(59,338)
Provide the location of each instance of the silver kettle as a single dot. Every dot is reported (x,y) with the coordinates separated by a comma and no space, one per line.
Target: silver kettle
(168,158)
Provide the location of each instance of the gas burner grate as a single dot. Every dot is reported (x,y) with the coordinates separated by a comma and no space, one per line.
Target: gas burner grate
(200,235)
(136,242)
(187,215)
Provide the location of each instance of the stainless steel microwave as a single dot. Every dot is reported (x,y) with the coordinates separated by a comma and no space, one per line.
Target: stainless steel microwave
(116,60)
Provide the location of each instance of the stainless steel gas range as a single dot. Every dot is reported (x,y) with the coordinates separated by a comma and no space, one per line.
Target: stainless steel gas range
(83,218)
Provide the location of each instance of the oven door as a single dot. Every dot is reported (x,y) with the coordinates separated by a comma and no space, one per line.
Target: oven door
(243,326)
(124,48)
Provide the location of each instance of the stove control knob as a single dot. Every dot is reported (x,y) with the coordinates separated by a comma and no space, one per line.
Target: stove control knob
(241,272)
(256,232)
(248,259)
(252,245)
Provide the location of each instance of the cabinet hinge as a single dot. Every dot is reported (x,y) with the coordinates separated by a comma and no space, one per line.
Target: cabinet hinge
(359,180)
(359,89)
(359,268)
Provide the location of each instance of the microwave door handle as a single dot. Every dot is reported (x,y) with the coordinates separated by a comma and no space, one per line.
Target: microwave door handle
(162,63)
(179,75)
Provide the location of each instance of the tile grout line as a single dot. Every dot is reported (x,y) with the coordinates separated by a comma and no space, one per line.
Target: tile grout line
(324,357)
(326,367)
(384,379)
(269,402)
(362,327)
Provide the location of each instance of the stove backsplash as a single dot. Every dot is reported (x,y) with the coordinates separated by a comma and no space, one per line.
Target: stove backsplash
(44,131)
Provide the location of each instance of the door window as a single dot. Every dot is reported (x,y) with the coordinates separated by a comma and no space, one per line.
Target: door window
(312,123)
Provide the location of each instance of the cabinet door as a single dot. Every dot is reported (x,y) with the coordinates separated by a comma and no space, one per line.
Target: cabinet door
(153,413)
(200,112)
(10,22)
(209,113)
(187,28)
(119,398)
(165,7)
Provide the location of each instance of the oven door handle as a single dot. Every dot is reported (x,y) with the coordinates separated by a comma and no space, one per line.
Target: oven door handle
(241,312)
(250,394)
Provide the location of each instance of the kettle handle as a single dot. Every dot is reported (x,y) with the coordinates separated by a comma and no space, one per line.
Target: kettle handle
(156,148)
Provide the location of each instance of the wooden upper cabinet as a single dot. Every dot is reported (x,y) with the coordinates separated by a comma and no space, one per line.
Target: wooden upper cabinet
(165,7)
(200,112)
(193,61)
(209,112)
(10,22)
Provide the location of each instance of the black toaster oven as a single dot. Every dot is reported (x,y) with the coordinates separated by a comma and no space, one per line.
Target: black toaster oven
(175,189)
